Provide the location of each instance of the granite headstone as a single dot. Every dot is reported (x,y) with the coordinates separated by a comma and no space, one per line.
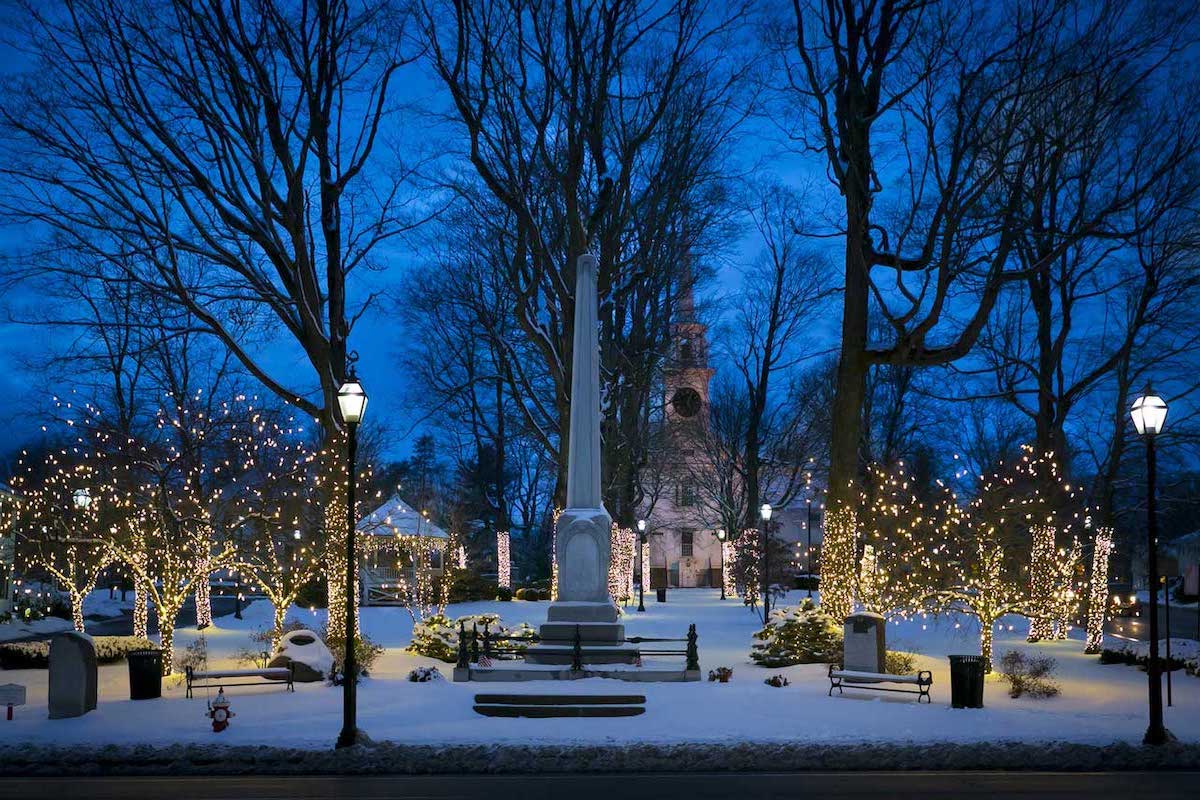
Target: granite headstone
(865,646)
(72,675)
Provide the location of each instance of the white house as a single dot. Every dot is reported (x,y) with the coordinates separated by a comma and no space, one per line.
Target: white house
(402,552)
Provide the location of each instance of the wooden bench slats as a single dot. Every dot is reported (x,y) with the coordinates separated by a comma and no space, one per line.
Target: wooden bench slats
(217,678)
(857,679)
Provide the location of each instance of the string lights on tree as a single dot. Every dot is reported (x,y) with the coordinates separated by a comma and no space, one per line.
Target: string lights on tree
(1102,547)
(503,560)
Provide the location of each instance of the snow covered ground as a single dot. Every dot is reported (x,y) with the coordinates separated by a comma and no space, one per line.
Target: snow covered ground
(1099,704)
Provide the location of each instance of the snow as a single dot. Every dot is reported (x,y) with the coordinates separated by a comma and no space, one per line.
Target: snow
(1099,704)
(12,631)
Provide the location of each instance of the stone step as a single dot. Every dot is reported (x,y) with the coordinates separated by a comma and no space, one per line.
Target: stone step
(561,699)
(589,632)
(548,712)
(590,654)
(568,611)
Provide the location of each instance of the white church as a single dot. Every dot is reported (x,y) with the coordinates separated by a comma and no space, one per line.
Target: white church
(681,530)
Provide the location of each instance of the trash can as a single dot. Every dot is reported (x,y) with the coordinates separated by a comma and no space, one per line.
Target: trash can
(145,674)
(966,681)
(662,595)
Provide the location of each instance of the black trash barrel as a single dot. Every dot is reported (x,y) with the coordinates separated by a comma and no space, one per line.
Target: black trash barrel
(662,595)
(966,681)
(145,674)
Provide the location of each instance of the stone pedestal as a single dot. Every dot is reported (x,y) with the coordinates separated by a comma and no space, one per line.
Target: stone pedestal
(865,643)
(72,675)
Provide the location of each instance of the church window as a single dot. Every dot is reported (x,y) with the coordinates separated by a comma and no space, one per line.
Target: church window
(685,351)
(686,543)
(687,495)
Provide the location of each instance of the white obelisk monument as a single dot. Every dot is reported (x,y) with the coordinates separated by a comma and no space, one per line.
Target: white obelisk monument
(583,549)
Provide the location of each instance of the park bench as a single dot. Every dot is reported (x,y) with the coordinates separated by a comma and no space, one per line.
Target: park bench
(219,678)
(858,679)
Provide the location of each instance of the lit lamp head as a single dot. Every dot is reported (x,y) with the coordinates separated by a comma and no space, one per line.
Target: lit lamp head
(766,512)
(82,499)
(642,525)
(352,401)
(1149,413)
(721,534)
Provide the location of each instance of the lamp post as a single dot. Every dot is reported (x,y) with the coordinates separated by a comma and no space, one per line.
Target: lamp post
(765,512)
(641,565)
(808,553)
(352,403)
(1149,413)
(721,537)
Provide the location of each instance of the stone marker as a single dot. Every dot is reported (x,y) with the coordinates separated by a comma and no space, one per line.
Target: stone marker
(72,675)
(11,694)
(865,645)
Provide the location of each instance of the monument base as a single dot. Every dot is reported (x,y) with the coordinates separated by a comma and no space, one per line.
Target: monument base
(601,637)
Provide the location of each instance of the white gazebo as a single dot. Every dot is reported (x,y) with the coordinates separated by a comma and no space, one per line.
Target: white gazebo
(403,553)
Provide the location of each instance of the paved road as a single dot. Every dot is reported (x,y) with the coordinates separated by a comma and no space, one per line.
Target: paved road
(865,785)
(1185,624)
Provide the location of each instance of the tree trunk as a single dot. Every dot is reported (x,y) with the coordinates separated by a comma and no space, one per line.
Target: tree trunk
(141,611)
(203,595)
(166,636)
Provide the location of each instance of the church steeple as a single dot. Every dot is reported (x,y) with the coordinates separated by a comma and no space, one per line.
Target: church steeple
(688,373)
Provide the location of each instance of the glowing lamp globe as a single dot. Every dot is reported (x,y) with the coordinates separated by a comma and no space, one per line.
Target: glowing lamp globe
(82,499)
(766,512)
(642,525)
(352,401)
(721,534)
(1149,414)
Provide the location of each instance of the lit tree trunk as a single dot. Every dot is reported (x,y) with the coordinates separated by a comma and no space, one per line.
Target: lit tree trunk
(141,610)
(203,596)
(1098,590)
(77,598)
(281,609)
(168,610)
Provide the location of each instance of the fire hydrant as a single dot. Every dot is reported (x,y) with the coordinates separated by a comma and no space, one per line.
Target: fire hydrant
(219,712)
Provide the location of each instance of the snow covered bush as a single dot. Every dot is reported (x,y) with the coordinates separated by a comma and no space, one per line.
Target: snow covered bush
(195,655)
(803,634)
(1185,654)
(425,675)
(1028,675)
(366,652)
(720,675)
(437,637)
(36,655)
(897,662)
(778,681)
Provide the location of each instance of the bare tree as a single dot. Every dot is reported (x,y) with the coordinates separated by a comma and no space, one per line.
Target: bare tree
(594,127)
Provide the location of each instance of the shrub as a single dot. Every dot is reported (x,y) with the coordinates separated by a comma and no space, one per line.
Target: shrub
(1031,675)
(521,594)
(425,675)
(803,634)
(720,674)
(36,655)
(1138,653)
(470,586)
(366,652)
(778,681)
(437,637)
(195,655)
(899,663)
(544,594)
(504,594)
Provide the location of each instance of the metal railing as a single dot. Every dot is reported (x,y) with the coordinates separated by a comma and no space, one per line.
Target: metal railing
(474,645)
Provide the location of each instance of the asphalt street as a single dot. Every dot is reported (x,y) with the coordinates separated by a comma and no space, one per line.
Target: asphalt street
(742,786)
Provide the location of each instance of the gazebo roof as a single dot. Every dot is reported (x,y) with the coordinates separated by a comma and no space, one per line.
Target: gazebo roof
(398,518)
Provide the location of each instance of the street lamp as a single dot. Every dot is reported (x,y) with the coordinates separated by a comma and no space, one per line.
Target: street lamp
(765,512)
(721,536)
(352,403)
(1149,414)
(641,565)
(82,499)
(808,556)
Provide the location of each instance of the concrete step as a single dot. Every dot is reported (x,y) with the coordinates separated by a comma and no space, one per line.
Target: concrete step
(568,611)
(548,712)
(589,632)
(590,654)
